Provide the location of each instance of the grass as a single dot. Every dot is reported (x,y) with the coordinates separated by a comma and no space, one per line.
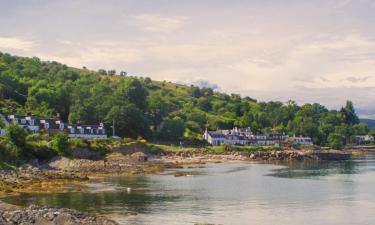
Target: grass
(154,148)
(7,166)
(234,148)
(170,148)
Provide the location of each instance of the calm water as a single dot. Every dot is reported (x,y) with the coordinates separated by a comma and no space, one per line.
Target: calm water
(233,194)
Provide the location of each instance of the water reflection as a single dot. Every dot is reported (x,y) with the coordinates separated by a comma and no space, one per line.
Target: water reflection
(232,194)
(102,197)
(315,169)
(311,169)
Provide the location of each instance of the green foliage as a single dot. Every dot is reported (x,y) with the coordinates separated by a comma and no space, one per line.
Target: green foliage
(60,143)
(8,151)
(350,117)
(142,107)
(129,121)
(173,129)
(335,140)
(16,135)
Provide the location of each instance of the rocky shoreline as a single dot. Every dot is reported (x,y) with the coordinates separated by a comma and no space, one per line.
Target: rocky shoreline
(56,173)
(267,156)
(54,176)
(10,215)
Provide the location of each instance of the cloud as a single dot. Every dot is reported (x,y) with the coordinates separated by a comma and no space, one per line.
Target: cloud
(107,55)
(357,79)
(157,23)
(15,43)
(206,84)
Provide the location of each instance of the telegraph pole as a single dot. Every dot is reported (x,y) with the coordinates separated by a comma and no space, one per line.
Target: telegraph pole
(113,127)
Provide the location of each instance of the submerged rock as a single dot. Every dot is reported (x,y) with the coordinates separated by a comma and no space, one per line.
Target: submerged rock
(49,216)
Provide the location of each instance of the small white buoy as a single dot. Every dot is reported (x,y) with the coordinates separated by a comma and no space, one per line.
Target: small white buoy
(128,189)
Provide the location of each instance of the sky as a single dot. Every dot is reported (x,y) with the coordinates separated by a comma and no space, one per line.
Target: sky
(308,51)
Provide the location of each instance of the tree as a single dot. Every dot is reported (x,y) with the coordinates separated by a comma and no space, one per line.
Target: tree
(102,72)
(349,114)
(195,91)
(16,135)
(129,121)
(131,91)
(204,104)
(157,110)
(335,140)
(173,129)
(60,143)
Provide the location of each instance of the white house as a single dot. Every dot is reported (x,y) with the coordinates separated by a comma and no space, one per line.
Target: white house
(33,124)
(363,139)
(302,140)
(51,126)
(242,136)
(86,131)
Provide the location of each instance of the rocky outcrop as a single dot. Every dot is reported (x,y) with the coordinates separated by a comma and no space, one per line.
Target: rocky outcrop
(87,154)
(277,155)
(131,149)
(25,176)
(49,216)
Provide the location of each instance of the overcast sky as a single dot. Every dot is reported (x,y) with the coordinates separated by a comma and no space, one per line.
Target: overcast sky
(310,51)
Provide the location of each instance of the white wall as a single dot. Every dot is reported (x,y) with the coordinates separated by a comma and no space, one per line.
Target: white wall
(87,136)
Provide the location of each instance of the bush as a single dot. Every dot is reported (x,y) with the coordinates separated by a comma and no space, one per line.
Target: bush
(335,140)
(16,135)
(78,143)
(60,143)
(8,151)
(37,137)
(43,152)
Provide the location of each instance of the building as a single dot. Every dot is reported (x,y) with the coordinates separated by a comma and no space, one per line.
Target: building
(363,139)
(53,126)
(305,141)
(242,136)
(86,131)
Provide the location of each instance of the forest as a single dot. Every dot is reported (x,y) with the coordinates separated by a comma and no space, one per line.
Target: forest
(160,111)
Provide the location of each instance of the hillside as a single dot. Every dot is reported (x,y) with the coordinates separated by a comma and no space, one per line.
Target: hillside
(370,123)
(158,111)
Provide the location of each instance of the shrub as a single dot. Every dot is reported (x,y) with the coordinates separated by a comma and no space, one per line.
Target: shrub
(60,143)
(8,151)
(78,143)
(43,152)
(16,135)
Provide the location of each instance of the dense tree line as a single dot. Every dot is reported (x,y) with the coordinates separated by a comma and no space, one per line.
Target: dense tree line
(159,110)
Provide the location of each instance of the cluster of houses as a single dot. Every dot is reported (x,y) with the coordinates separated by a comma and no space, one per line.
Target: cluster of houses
(51,126)
(245,137)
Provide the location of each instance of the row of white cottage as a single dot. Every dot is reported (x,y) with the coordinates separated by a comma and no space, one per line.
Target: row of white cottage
(51,126)
(245,137)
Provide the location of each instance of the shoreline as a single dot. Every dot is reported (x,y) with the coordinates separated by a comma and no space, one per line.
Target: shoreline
(54,176)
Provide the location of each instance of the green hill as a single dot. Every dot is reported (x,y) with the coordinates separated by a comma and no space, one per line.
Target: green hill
(370,123)
(158,111)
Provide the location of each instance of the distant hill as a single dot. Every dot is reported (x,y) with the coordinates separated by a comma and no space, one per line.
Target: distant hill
(369,122)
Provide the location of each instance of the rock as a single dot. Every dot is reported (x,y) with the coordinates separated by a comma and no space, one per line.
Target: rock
(50,216)
(139,157)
